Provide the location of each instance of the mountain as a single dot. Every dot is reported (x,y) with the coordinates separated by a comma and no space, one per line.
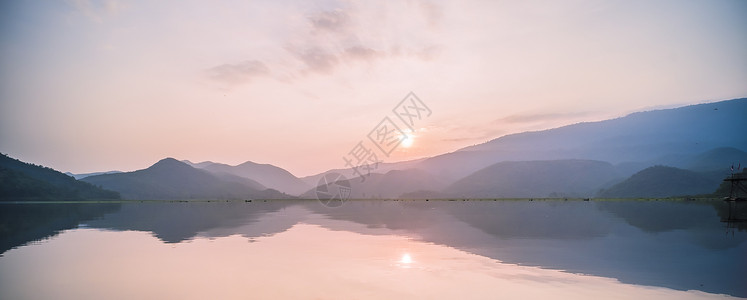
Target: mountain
(704,138)
(535,179)
(84,175)
(21,181)
(663,181)
(713,160)
(381,168)
(265,174)
(199,165)
(638,137)
(719,159)
(392,184)
(170,179)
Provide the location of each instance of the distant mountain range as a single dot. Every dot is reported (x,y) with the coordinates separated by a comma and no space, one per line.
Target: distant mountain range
(393,184)
(581,159)
(170,179)
(644,137)
(611,158)
(265,174)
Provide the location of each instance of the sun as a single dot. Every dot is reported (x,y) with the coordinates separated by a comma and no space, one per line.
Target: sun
(407,140)
(406,259)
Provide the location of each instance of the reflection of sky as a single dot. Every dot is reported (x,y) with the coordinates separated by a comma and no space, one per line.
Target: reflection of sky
(304,262)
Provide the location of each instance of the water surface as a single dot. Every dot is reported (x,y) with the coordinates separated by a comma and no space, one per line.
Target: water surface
(373,250)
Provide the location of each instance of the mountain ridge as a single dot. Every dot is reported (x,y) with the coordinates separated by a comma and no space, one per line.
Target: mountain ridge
(22,181)
(170,179)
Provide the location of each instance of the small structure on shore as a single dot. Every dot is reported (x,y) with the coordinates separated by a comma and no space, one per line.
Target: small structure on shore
(738,190)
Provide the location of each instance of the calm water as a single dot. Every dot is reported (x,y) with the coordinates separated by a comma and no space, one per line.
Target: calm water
(373,250)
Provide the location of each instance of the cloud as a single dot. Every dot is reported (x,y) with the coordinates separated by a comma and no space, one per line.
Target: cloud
(317,59)
(239,72)
(320,42)
(362,53)
(335,20)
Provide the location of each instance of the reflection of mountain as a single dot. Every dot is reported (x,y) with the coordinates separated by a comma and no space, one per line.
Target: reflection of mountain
(662,216)
(23,223)
(176,222)
(170,179)
(661,243)
(577,236)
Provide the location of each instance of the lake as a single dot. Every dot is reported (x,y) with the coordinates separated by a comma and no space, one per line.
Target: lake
(374,249)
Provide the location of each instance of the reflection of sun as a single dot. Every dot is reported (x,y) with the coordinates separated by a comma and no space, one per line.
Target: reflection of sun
(406,259)
(407,139)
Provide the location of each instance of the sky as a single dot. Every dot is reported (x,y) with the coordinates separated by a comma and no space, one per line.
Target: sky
(90,86)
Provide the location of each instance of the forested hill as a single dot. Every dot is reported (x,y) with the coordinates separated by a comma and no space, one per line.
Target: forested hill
(20,181)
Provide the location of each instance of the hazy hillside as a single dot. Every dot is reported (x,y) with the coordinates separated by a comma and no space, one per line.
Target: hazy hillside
(638,137)
(719,159)
(713,160)
(84,175)
(170,179)
(23,181)
(701,137)
(662,181)
(265,174)
(382,168)
(390,185)
(556,178)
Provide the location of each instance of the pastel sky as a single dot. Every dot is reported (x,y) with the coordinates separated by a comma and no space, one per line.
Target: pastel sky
(107,85)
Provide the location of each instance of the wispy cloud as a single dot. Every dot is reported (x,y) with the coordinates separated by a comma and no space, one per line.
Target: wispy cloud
(316,59)
(239,72)
(363,53)
(323,41)
(334,20)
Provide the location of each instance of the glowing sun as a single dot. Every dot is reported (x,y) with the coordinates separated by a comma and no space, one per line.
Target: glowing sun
(407,140)
(406,259)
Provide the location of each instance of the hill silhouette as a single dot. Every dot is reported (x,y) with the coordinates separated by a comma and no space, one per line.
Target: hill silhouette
(638,137)
(524,179)
(265,174)
(662,181)
(170,179)
(20,181)
(391,185)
